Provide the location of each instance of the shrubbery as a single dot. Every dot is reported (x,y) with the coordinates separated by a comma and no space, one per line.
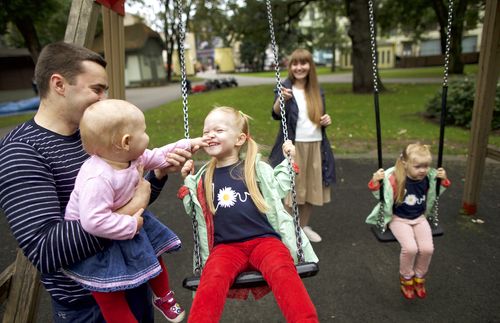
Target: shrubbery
(460,101)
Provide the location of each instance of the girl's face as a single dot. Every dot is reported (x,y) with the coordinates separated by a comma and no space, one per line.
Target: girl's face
(300,70)
(417,167)
(223,137)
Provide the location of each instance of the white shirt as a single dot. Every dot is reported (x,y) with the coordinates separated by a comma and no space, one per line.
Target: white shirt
(306,131)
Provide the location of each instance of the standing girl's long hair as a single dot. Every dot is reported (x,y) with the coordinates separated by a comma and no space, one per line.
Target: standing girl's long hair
(312,92)
(241,122)
(408,155)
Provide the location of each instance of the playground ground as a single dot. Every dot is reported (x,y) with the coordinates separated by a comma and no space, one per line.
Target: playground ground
(358,278)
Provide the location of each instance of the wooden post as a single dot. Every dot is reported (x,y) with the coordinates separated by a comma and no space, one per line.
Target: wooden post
(484,102)
(82,22)
(114,52)
(22,300)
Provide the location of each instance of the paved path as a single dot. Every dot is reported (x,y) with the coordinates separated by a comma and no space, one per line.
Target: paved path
(358,278)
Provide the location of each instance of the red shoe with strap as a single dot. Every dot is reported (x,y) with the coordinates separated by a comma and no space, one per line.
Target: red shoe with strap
(419,285)
(407,288)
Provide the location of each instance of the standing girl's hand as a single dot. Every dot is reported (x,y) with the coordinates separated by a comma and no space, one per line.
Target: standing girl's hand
(378,175)
(441,173)
(325,120)
(287,93)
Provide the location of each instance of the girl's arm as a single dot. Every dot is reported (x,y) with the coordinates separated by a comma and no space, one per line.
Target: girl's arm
(374,183)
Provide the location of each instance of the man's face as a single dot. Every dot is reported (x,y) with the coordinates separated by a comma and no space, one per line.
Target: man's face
(88,88)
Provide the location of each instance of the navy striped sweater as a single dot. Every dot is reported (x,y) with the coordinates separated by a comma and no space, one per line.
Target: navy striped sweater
(37,174)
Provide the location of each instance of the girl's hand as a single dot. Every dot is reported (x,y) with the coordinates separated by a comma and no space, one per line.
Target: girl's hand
(325,120)
(287,93)
(378,175)
(197,143)
(188,168)
(441,173)
(288,148)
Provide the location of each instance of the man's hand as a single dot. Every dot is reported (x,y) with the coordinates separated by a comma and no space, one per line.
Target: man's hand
(176,160)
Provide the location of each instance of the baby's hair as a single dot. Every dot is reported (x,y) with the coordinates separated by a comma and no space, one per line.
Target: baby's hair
(105,122)
(408,155)
(241,122)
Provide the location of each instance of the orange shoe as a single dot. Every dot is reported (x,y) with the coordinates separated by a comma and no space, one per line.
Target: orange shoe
(407,287)
(419,285)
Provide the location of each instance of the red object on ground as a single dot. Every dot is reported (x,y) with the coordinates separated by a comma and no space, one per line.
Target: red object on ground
(469,209)
(115,5)
(199,88)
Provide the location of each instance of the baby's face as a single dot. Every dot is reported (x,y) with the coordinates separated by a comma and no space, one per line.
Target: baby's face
(139,139)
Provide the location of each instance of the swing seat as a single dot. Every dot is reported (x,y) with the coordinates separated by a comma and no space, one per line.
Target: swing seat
(252,279)
(387,236)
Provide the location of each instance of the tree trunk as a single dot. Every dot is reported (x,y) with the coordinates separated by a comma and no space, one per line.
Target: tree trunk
(31,41)
(456,65)
(359,32)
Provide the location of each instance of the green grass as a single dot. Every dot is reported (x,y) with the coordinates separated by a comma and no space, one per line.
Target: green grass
(12,120)
(353,128)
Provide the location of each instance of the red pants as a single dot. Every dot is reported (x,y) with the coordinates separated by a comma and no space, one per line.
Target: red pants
(114,306)
(271,257)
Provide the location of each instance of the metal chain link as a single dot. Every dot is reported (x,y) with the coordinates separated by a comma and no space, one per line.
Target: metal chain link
(448,41)
(182,38)
(295,207)
(373,43)
(434,215)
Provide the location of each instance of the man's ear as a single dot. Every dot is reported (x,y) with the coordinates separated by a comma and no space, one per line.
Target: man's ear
(58,83)
(242,138)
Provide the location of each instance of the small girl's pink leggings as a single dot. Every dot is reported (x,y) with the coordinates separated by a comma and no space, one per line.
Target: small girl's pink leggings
(274,261)
(415,238)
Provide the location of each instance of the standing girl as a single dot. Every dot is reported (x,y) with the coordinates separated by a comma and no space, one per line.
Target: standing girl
(306,121)
(242,222)
(409,193)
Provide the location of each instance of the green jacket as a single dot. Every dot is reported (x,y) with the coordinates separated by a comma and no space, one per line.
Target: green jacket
(389,187)
(274,185)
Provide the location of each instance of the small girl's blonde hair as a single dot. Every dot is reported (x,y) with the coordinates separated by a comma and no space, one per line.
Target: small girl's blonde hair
(408,155)
(241,123)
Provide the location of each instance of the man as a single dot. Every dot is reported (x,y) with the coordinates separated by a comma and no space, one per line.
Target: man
(39,161)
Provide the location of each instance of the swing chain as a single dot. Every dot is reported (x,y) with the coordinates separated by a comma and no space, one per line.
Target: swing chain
(433,216)
(448,41)
(182,37)
(380,218)
(373,45)
(295,207)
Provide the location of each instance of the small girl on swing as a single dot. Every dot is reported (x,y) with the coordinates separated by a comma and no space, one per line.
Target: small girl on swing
(242,222)
(409,194)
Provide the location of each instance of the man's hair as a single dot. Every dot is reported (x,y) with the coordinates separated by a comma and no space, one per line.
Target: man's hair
(65,59)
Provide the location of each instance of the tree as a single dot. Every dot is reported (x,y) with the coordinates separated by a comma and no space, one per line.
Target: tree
(33,24)
(359,32)
(418,16)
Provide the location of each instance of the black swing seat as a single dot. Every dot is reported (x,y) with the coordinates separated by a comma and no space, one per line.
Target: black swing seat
(387,236)
(252,279)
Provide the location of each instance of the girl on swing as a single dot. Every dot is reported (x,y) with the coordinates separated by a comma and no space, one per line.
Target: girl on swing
(242,222)
(409,193)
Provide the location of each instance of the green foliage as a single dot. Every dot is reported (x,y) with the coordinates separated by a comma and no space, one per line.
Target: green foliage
(460,102)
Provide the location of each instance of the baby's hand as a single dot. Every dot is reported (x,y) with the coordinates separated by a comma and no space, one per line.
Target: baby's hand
(378,175)
(197,143)
(288,148)
(441,173)
(188,168)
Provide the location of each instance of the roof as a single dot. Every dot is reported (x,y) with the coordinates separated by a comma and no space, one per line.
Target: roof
(135,38)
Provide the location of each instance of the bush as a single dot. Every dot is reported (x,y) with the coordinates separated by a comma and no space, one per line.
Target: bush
(460,102)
